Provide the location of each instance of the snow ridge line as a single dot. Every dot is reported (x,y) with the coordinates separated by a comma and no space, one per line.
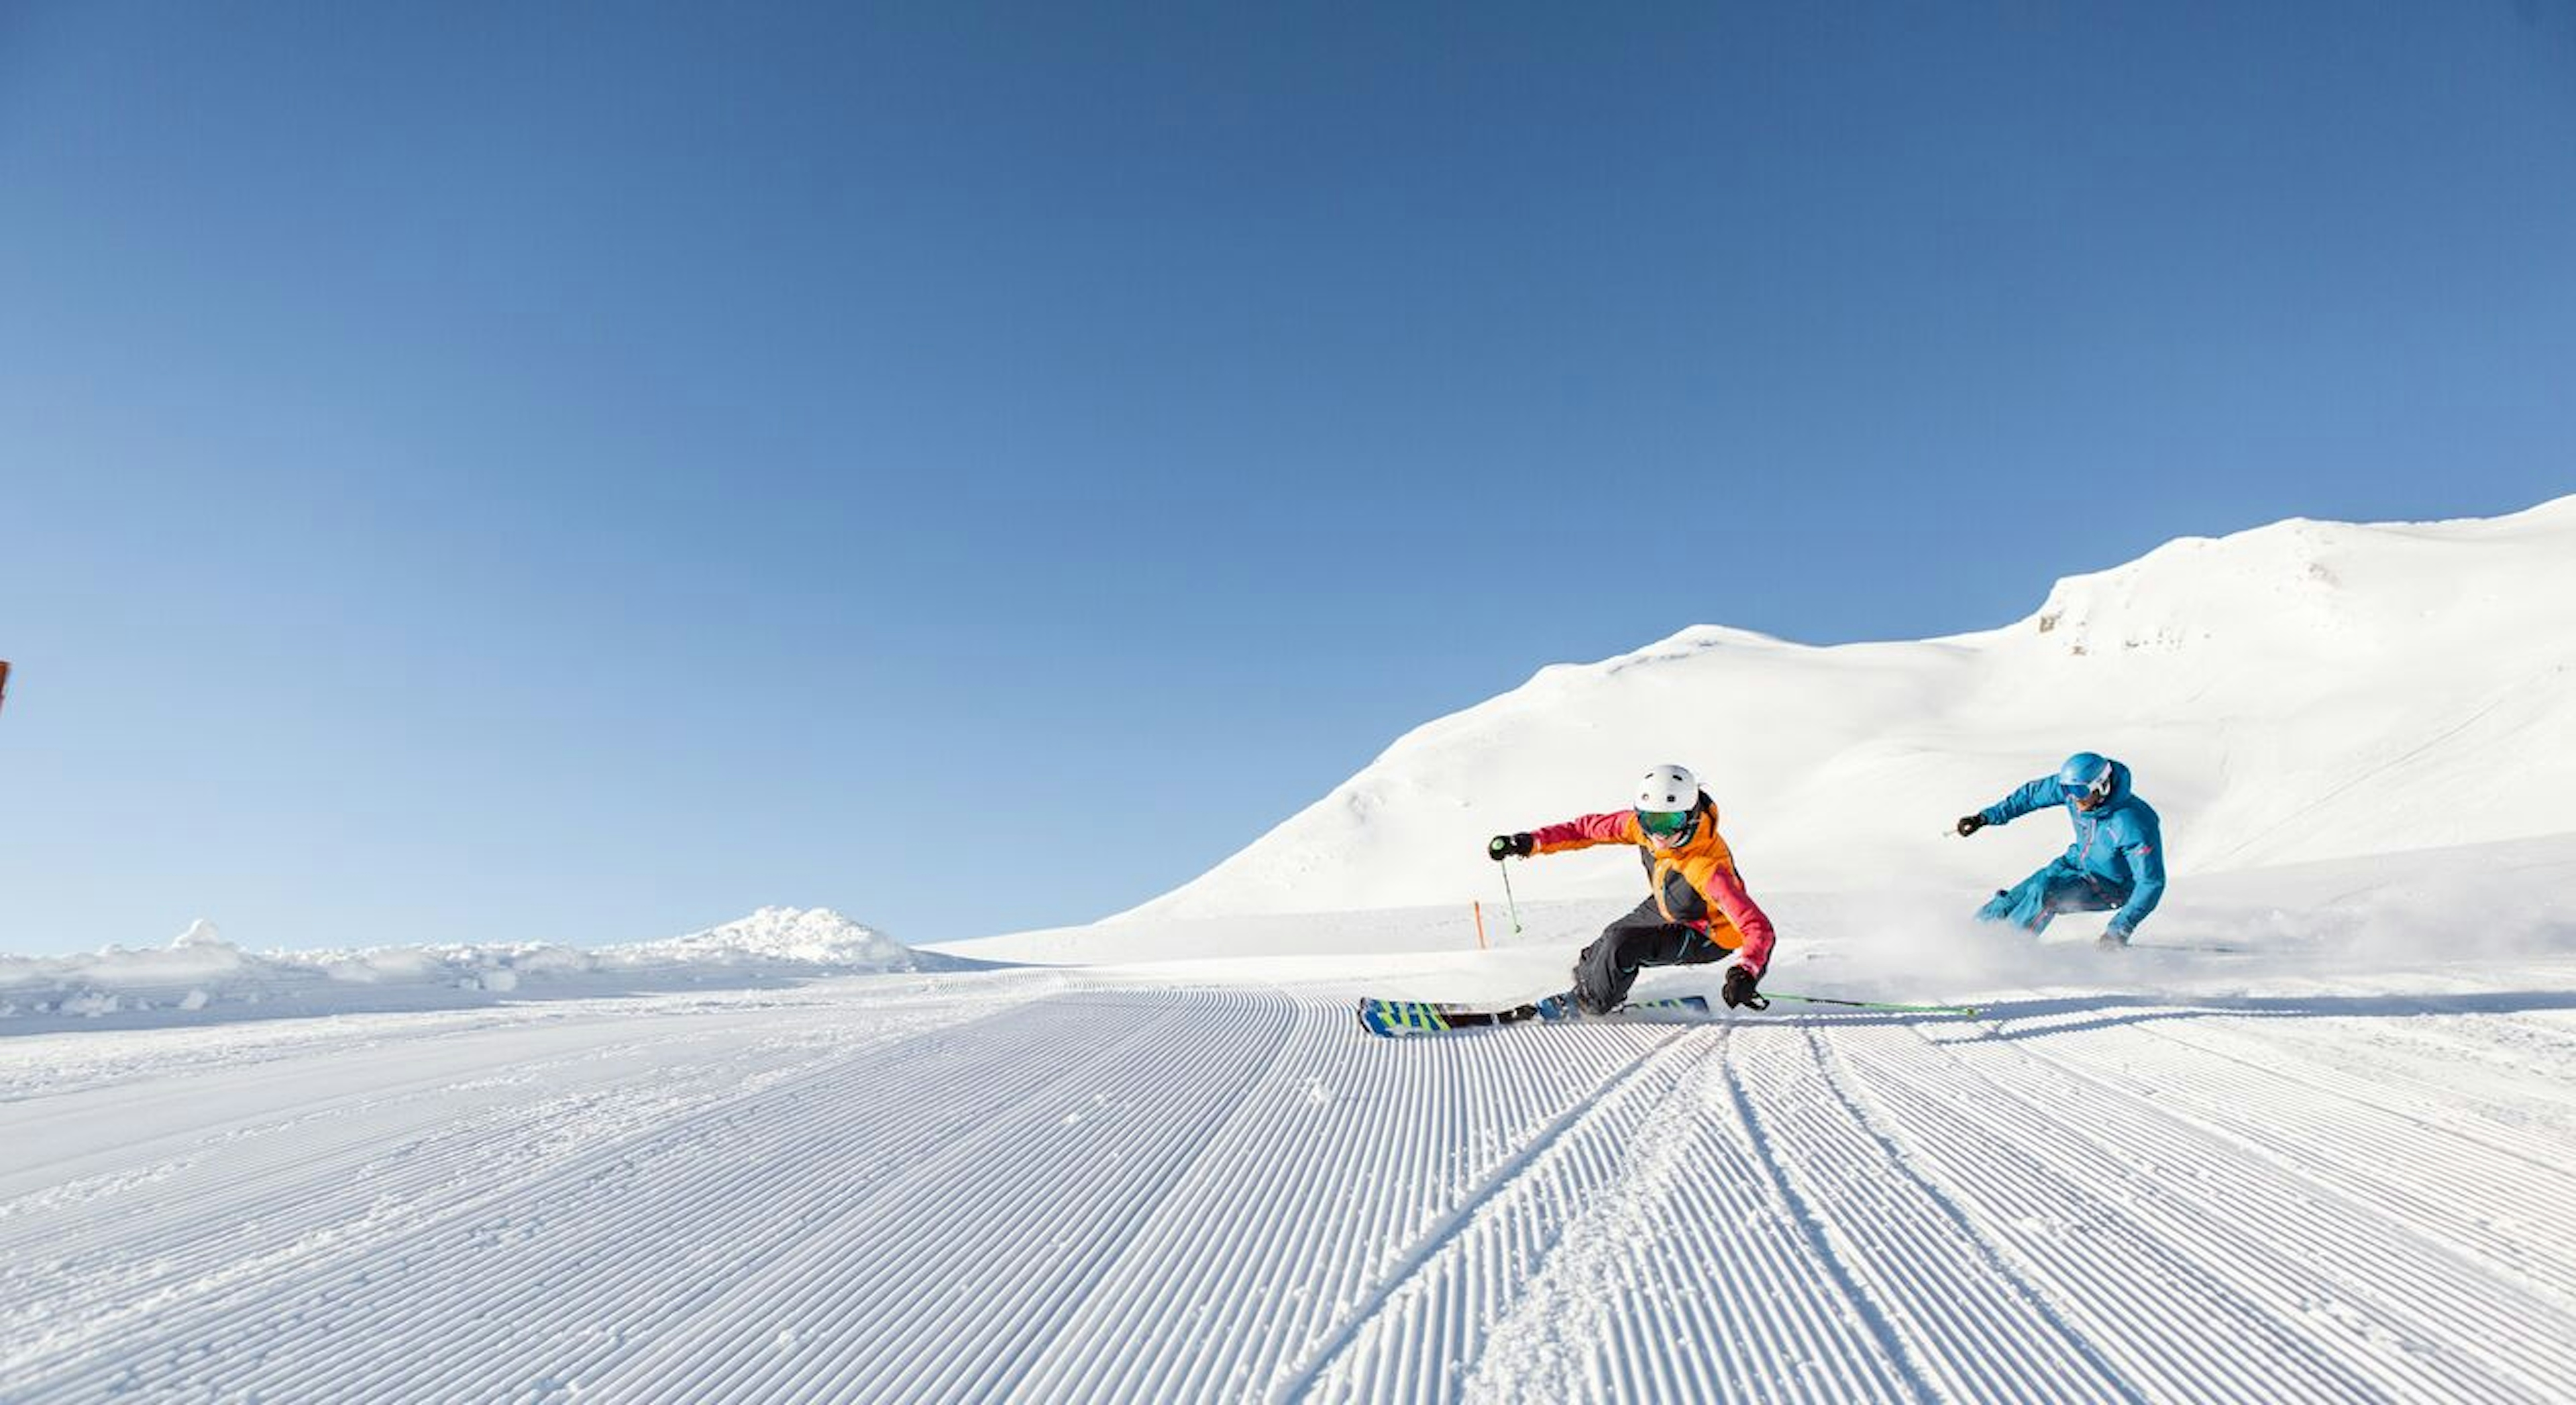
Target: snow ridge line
(2332,1085)
(2342,1244)
(1557,1276)
(1151,1278)
(184,1249)
(569,1287)
(2364,1178)
(1192,1168)
(1450,1225)
(2017,1278)
(2137,1227)
(1968,1323)
(772,1151)
(840,1297)
(271,1131)
(1697,1308)
(1810,1220)
(423,1198)
(1377,1158)
(2427,1061)
(38,1067)
(1600,1311)
(190,1143)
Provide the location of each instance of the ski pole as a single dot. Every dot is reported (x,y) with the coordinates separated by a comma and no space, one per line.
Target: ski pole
(1875,1004)
(1509,905)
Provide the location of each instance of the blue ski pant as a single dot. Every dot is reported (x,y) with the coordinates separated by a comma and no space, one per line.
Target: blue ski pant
(2060,887)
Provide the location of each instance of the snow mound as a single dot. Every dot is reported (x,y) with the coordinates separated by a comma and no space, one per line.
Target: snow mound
(2300,692)
(200,974)
(814,936)
(200,933)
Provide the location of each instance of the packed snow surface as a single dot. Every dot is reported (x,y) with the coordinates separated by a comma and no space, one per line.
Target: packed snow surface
(2316,1144)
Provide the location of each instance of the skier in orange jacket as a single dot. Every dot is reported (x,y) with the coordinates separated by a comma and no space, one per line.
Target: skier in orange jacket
(1698,912)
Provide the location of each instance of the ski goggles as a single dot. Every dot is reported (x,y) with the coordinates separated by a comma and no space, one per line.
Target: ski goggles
(1667,824)
(2087,797)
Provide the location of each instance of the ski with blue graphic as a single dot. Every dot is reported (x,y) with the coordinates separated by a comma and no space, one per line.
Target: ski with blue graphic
(1398,1018)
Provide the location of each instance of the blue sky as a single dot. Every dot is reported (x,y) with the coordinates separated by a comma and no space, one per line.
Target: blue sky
(476,472)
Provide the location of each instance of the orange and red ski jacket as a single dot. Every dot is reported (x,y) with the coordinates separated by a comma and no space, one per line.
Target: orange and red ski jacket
(1695,884)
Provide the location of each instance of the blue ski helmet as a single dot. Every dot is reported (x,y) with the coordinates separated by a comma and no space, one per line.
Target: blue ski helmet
(2086,778)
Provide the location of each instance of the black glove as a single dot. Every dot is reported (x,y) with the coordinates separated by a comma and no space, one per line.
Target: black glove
(1503,846)
(1970,824)
(1740,983)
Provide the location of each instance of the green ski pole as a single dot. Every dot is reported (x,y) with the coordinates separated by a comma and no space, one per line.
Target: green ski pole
(1509,905)
(1875,1004)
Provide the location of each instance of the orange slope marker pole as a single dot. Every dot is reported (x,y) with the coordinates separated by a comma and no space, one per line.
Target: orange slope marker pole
(1477,903)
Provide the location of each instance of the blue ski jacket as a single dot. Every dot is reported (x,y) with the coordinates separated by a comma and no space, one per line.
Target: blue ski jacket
(2121,843)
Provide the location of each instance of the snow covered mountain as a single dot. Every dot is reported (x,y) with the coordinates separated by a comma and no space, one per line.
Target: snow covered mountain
(200,971)
(2306,690)
(811,936)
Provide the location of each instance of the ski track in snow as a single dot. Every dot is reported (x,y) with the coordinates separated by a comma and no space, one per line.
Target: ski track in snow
(1077,1187)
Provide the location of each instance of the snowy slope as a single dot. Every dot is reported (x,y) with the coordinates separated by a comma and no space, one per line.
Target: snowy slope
(2338,1164)
(2307,690)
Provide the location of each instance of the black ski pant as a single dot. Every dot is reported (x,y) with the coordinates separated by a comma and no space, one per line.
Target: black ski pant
(1605,970)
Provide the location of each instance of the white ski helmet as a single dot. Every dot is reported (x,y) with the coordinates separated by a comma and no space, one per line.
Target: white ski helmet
(1668,788)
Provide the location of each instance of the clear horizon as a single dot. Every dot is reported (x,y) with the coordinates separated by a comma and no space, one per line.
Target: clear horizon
(481,476)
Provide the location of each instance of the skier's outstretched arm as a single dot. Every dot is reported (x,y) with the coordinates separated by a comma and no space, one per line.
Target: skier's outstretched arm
(2038,795)
(1616,827)
(1619,827)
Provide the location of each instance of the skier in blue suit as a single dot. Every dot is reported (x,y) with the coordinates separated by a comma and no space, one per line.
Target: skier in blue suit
(2116,861)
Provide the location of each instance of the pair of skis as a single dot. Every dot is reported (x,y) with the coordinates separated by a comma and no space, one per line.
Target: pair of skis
(1393,1019)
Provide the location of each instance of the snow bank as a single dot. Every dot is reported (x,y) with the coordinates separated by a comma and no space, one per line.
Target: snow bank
(201,975)
(817,937)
